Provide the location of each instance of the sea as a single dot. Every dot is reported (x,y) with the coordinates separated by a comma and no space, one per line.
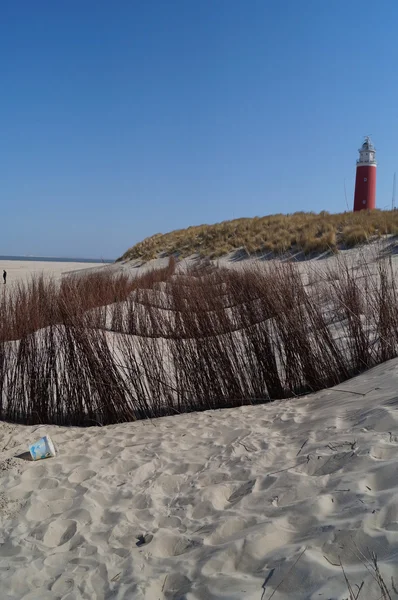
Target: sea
(55,259)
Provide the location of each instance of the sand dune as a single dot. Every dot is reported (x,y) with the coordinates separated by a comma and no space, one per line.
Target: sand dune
(238,503)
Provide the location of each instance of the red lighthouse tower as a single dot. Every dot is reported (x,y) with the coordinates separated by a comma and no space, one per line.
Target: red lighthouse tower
(365,183)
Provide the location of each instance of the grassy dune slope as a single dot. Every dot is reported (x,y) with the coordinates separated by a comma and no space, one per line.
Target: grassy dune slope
(308,232)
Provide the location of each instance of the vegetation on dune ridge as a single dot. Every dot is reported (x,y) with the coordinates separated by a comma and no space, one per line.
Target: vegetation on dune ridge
(305,232)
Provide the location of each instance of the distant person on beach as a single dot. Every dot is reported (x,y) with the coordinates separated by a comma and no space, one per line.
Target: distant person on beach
(5,276)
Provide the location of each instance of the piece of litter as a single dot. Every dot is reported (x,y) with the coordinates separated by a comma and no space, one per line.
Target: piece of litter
(44,448)
(143,540)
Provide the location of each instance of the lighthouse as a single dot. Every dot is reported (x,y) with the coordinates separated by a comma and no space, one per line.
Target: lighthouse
(365,182)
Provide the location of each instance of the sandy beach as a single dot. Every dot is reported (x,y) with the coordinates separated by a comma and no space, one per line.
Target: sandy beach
(18,270)
(239,503)
(256,502)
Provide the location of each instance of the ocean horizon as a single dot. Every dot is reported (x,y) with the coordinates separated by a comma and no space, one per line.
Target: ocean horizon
(57,259)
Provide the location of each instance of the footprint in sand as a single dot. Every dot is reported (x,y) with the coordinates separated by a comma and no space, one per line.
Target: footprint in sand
(168,484)
(229,529)
(211,478)
(185,468)
(19,493)
(143,473)
(383,452)
(168,545)
(81,474)
(141,501)
(260,543)
(124,466)
(387,518)
(59,507)
(63,585)
(171,523)
(111,517)
(347,544)
(325,465)
(48,483)
(80,515)
(58,560)
(171,586)
(75,459)
(243,491)
(382,477)
(8,549)
(59,532)
(203,510)
(218,495)
(38,512)
(35,473)
(222,560)
(263,483)
(325,505)
(176,585)
(102,500)
(59,493)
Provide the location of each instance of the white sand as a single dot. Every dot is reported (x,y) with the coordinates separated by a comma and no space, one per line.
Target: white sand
(236,504)
(232,499)
(18,270)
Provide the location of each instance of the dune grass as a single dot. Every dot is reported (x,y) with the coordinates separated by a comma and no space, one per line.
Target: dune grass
(306,232)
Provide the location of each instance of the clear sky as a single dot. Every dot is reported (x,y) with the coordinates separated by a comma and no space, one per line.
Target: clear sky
(122,119)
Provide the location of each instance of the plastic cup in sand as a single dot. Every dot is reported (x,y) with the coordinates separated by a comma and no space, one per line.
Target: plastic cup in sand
(44,448)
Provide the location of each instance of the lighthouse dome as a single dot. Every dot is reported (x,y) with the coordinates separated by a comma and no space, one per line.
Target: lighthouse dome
(367,145)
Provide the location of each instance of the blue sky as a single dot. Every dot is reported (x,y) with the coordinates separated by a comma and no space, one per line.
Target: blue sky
(120,120)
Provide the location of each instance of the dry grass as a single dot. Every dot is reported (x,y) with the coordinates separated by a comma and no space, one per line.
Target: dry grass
(372,566)
(108,349)
(306,232)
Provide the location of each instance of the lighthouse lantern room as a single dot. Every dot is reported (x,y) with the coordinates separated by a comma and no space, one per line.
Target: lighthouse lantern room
(365,182)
